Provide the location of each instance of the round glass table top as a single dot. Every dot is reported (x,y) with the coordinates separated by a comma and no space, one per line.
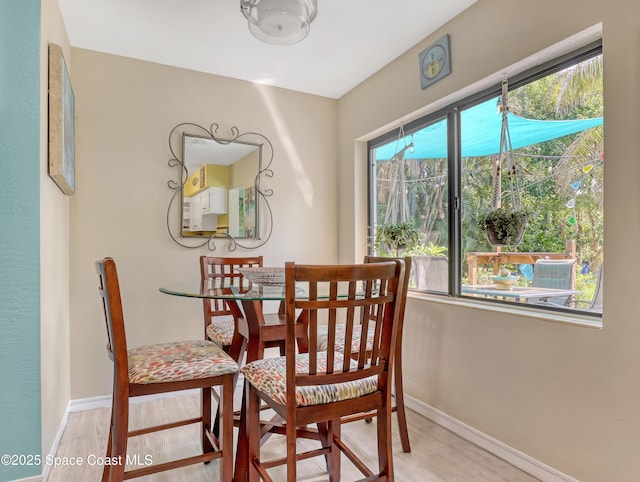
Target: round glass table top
(217,290)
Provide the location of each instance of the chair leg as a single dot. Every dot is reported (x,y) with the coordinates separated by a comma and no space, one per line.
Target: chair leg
(334,457)
(107,468)
(400,409)
(119,435)
(226,441)
(252,430)
(237,354)
(292,433)
(323,435)
(205,394)
(385,455)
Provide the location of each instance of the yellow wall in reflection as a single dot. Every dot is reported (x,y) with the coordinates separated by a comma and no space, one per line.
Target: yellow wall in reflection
(208,175)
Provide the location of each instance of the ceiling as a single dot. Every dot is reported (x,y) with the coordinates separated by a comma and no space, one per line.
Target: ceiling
(203,150)
(349,40)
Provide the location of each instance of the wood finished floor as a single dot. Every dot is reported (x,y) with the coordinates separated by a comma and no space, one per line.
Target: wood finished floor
(437,454)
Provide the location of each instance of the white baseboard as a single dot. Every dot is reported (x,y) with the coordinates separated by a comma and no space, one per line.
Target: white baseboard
(516,458)
(56,442)
(82,404)
(104,401)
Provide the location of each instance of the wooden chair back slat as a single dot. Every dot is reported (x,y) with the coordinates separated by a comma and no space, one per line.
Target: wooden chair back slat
(376,315)
(350,320)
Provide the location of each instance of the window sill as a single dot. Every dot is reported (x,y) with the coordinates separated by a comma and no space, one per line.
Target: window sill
(577,319)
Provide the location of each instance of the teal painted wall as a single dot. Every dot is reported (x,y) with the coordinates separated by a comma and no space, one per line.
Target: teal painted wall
(19,235)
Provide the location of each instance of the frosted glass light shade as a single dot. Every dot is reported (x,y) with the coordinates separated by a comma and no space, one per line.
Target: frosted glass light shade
(279,22)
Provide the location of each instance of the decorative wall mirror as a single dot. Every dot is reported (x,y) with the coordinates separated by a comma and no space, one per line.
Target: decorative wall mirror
(218,193)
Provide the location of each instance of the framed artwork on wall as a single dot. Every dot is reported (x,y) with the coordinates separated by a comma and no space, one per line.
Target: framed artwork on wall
(61,123)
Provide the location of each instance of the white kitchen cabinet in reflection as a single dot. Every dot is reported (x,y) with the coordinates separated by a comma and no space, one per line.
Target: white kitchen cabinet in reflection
(204,208)
(213,200)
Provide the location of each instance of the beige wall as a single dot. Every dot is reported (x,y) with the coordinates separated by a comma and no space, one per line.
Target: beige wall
(125,111)
(54,254)
(565,395)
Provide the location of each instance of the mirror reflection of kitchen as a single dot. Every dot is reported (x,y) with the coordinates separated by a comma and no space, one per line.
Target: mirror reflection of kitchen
(219,196)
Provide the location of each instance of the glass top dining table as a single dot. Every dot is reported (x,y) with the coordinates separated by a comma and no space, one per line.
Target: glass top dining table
(238,291)
(253,324)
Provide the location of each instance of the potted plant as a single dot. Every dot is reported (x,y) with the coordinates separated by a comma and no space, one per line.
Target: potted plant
(429,249)
(504,227)
(392,238)
(429,267)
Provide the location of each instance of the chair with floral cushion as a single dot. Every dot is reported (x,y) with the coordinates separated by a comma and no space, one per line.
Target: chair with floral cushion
(221,316)
(224,321)
(399,406)
(162,368)
(322,387)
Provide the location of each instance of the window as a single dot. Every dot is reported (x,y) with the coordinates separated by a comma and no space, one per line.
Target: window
(446,175)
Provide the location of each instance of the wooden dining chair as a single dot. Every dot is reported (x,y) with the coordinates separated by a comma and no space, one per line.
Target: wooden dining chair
(323,386)
(225,323)
(221,317)
(399,406)
(162,368)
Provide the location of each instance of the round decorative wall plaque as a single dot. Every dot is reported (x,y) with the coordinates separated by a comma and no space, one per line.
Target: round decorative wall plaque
(435,62)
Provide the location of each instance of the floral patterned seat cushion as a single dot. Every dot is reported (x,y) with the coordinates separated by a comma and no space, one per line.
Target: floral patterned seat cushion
(221,331)
(178,361)
(340,334)
(269,376)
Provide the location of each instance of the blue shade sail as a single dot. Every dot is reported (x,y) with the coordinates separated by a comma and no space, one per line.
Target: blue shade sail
(481,126)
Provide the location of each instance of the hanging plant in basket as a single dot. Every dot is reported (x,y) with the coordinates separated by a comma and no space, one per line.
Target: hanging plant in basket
(394,238)
(504,226)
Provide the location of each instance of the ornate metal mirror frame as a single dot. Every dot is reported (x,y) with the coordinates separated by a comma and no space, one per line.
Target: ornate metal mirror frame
(263,221)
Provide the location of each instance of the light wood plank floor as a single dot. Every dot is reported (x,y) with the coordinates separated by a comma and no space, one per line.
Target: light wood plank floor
(437,454)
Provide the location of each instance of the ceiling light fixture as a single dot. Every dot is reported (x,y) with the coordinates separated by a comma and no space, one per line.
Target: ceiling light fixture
(279,22)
